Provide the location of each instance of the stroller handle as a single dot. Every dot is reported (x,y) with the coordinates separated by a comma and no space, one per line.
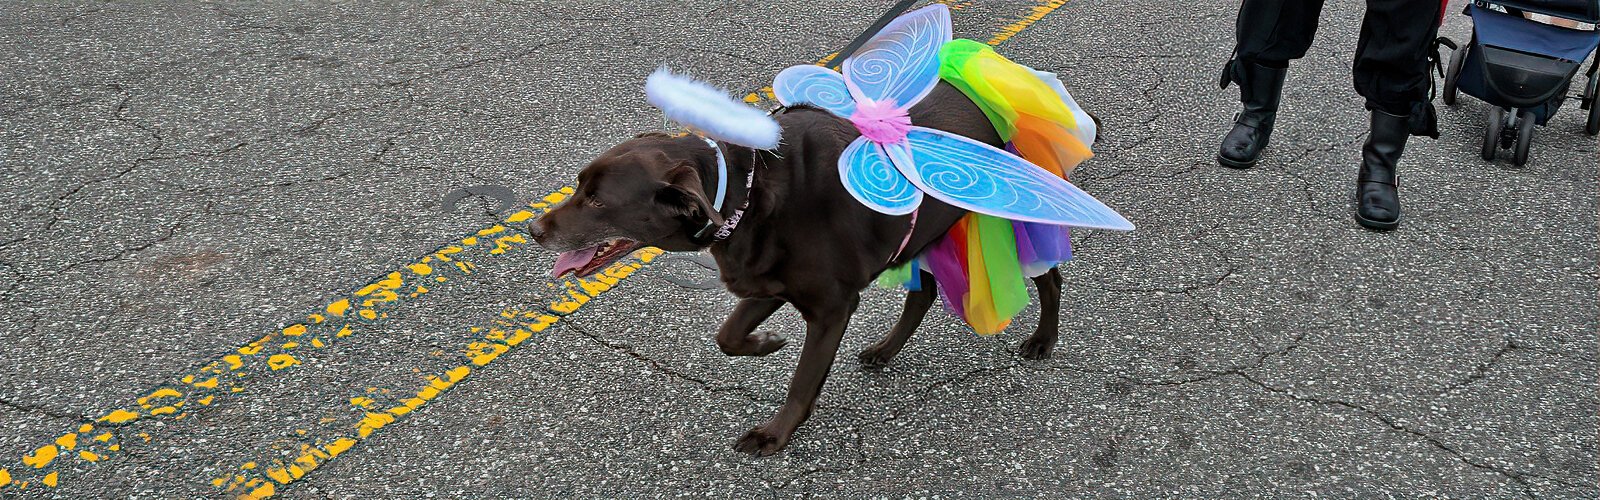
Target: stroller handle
(1585,11)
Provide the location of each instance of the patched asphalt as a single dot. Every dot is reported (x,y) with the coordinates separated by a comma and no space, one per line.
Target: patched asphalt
(183,179)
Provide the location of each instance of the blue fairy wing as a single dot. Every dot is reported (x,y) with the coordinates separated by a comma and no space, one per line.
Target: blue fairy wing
(870,177)
(980,178)
(814,85)
(901,62)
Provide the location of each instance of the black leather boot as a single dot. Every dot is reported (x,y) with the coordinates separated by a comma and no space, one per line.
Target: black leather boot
(1260,89)
(1377,185)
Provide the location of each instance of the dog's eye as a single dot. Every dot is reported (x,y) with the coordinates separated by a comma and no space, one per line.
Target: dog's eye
(595,202)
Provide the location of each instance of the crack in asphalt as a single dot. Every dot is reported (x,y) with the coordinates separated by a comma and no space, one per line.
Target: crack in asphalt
(1242,372)
(32,103)
(711,51)
(16,280)
(1519,478)
(1137,57)
(1296,340)
(1180,290)
(33,332)
(238,190)
(1229,268)
(749,394)
(1299,174)
(1158,111)
(858,441)
(152,154)
(41,409)
(120,115)
(24,279)
(923,395)
(387,147)
(60,203)
(69,18)
(811,471)
(171,231)
(1482,370)
(1147,124)
(666,369)
(406,82)
(317,123)
(388,144)
(708,386)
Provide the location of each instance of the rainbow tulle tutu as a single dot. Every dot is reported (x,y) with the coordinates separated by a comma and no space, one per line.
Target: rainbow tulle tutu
(983,263)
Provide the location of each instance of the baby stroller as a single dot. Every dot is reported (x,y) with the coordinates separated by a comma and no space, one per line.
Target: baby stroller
(1523,68)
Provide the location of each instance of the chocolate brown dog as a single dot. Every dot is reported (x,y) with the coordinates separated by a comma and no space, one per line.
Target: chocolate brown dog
(803,240)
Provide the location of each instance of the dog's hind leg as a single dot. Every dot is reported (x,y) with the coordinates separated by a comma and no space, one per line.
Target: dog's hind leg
(735,337)
(825,325)
(1043,340)
(917,304)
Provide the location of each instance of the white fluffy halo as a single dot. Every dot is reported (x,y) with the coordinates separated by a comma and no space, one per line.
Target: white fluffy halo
(710,111)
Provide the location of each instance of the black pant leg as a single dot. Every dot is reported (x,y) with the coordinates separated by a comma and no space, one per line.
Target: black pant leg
(1391,64)
(1274,32)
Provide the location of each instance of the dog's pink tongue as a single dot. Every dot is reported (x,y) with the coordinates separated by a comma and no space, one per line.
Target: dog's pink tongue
(573,260)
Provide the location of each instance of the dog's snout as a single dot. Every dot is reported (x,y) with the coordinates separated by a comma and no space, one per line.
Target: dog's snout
(537,229)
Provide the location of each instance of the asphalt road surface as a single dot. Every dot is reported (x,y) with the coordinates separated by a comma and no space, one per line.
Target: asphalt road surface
(226,268)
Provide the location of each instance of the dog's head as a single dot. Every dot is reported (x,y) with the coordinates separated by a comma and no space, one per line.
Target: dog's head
(647,191)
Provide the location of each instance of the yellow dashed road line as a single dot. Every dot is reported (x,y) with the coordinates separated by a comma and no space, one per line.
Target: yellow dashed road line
(504,333)
(1034,15)
(275,352)
(512,328)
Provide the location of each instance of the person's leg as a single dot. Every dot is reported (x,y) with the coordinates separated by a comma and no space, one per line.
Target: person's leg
(1270,33)
(1274,32)
(1391,72)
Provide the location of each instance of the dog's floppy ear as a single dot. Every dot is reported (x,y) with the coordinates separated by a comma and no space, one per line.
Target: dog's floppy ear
(684,195)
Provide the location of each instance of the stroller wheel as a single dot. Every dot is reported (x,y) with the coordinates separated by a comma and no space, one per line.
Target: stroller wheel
(1525,124)
(1491,133)
(1452,75)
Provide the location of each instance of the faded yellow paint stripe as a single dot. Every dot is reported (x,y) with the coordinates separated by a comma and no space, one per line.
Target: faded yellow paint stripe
(503,334)
(765,94)
(1034,15)
(274,352)
(509,330)
(223,376)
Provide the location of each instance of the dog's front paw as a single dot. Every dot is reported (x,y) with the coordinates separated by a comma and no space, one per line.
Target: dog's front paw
(1037,347)
(762,441)
(756,344)
(876,356)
